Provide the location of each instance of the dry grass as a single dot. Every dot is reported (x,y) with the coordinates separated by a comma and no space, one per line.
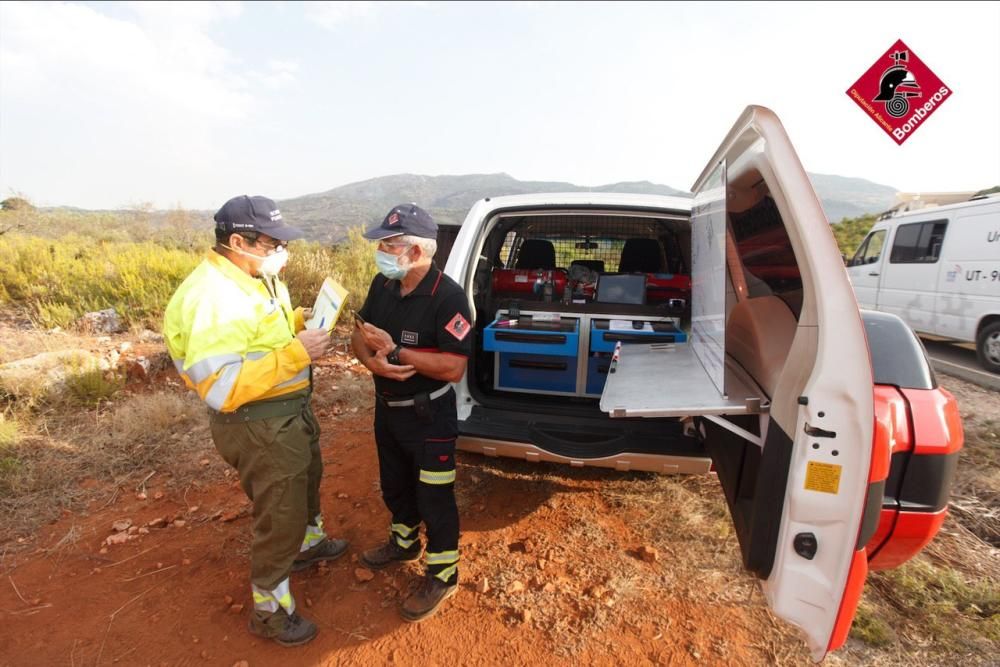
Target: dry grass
(164,431)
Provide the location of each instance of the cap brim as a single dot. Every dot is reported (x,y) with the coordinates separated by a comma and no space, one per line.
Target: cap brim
(378,233)
(284,233)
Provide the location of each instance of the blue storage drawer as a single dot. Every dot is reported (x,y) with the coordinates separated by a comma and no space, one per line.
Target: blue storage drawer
(597,372)
(603,339)
(536,372)
(558,338)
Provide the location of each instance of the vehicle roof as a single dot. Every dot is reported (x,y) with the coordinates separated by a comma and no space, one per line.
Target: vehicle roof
(572,199)
(933,211)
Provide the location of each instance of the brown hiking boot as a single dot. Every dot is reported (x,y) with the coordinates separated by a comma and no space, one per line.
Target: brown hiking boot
(390,553)
(326,550)
(279,627)
(426,600)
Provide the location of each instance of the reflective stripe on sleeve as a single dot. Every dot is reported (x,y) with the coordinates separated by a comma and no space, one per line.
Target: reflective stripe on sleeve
(437,477)
(223,385)
(202,370)
(302,376)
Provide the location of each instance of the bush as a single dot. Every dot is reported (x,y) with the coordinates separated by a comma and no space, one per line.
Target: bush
(93,387)
(351,264)
(58,281)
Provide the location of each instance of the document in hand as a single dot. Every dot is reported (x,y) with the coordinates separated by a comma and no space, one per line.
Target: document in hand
(329,304)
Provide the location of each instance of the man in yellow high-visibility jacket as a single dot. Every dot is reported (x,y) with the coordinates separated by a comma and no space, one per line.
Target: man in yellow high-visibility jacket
(235,340)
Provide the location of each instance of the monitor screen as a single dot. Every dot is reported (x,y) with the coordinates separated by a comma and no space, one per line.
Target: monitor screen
(622,289)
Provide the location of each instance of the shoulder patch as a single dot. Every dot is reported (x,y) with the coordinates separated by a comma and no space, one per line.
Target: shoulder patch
(458,326)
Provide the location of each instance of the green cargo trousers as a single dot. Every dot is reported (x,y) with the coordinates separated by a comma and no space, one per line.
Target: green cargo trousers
(280,468)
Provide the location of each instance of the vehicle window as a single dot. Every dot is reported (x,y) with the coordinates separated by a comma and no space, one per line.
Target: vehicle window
(918,242)
(871,249)
(508,243)
(766,251)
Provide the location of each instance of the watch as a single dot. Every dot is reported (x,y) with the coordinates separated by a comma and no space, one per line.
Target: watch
(393,357)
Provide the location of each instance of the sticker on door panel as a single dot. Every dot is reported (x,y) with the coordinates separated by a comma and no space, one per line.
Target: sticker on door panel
(823,477)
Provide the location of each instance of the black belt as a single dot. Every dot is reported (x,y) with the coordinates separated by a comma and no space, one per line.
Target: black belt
(259,410)
(403,402)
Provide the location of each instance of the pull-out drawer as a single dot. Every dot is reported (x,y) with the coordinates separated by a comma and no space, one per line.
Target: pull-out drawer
(536,373)
(605,334)
(526,336)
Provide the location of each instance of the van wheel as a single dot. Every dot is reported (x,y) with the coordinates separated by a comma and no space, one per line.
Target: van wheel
(988,347)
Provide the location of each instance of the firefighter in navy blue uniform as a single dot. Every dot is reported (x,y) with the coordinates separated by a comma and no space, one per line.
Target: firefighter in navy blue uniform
(413,334)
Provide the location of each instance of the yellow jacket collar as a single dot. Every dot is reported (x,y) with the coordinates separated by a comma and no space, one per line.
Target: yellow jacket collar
(248,283)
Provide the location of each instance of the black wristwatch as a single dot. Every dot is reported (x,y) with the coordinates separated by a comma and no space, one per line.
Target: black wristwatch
(393,357)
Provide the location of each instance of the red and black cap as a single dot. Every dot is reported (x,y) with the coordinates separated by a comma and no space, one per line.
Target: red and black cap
(255,214)
(404,219)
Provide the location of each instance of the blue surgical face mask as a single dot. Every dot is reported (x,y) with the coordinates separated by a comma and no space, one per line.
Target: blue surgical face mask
(388,265)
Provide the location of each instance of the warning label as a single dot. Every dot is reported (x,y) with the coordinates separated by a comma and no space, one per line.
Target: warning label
(823,477)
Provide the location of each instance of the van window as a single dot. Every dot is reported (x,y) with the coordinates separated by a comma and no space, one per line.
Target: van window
(763,245)
(918,243)
(871,249)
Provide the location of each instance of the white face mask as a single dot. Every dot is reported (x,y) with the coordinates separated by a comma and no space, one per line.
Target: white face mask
(269,265)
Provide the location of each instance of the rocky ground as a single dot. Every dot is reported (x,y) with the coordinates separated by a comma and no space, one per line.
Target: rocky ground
(146,564)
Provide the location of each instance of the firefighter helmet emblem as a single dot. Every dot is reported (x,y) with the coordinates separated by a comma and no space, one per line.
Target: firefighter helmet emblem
(896,85)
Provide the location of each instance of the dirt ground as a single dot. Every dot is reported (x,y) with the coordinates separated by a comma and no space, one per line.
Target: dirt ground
(559,566)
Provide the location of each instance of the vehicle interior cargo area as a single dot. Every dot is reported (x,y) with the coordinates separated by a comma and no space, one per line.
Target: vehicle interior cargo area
(543,352)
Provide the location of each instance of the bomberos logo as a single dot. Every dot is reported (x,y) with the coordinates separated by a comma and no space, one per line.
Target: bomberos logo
(899,92)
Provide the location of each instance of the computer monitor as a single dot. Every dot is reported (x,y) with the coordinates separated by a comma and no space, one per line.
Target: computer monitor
(622,289)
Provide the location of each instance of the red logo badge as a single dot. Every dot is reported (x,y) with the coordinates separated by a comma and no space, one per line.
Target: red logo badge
(458,326)
(443,458)
(899,92)
(394,219)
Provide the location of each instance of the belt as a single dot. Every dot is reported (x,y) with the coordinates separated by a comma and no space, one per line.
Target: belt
(437,393)
(260,410)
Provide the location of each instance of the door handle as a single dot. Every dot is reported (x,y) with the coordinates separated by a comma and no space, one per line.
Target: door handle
(873,273)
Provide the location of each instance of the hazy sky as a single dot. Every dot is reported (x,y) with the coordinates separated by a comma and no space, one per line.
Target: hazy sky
(108,105)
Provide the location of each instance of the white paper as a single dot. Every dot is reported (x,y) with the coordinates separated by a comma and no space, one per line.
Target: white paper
(626,325)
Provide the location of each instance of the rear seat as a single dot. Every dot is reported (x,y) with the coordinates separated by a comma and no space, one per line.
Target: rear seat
(759,334)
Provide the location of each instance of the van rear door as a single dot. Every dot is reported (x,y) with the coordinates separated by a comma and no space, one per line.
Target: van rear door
(799,492)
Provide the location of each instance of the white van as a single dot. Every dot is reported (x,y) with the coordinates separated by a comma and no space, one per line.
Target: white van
(941,272)
(667,334)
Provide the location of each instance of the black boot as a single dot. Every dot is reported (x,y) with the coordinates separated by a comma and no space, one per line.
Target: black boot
(326,550)
(280,627)
(390,553)
(427,599)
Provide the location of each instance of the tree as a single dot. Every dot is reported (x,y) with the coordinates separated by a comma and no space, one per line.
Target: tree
(16,204)
(13,211)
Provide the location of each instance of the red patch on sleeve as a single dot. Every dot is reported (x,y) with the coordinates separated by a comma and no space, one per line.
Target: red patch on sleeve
(443,458)
(458,326)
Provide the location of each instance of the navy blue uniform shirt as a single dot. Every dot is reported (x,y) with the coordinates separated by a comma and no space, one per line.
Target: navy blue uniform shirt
(434,317)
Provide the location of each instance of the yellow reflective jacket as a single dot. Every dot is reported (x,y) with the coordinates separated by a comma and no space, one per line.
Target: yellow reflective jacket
(231,340)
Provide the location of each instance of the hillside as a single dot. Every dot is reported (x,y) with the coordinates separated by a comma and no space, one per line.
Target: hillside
(327,215)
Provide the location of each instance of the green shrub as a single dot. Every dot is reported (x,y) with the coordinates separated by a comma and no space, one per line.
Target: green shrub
(91,387)
(57,281)
(351,264)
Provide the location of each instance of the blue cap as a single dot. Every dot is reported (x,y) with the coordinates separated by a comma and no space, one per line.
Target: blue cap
(404,219)
(255,214)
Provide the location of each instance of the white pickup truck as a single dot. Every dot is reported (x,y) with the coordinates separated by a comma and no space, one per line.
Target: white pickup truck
(718,333)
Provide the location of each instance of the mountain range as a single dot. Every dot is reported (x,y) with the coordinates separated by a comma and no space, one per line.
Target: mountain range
(326,216)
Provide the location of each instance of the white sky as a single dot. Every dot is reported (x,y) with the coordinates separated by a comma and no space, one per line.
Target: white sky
(104,105)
